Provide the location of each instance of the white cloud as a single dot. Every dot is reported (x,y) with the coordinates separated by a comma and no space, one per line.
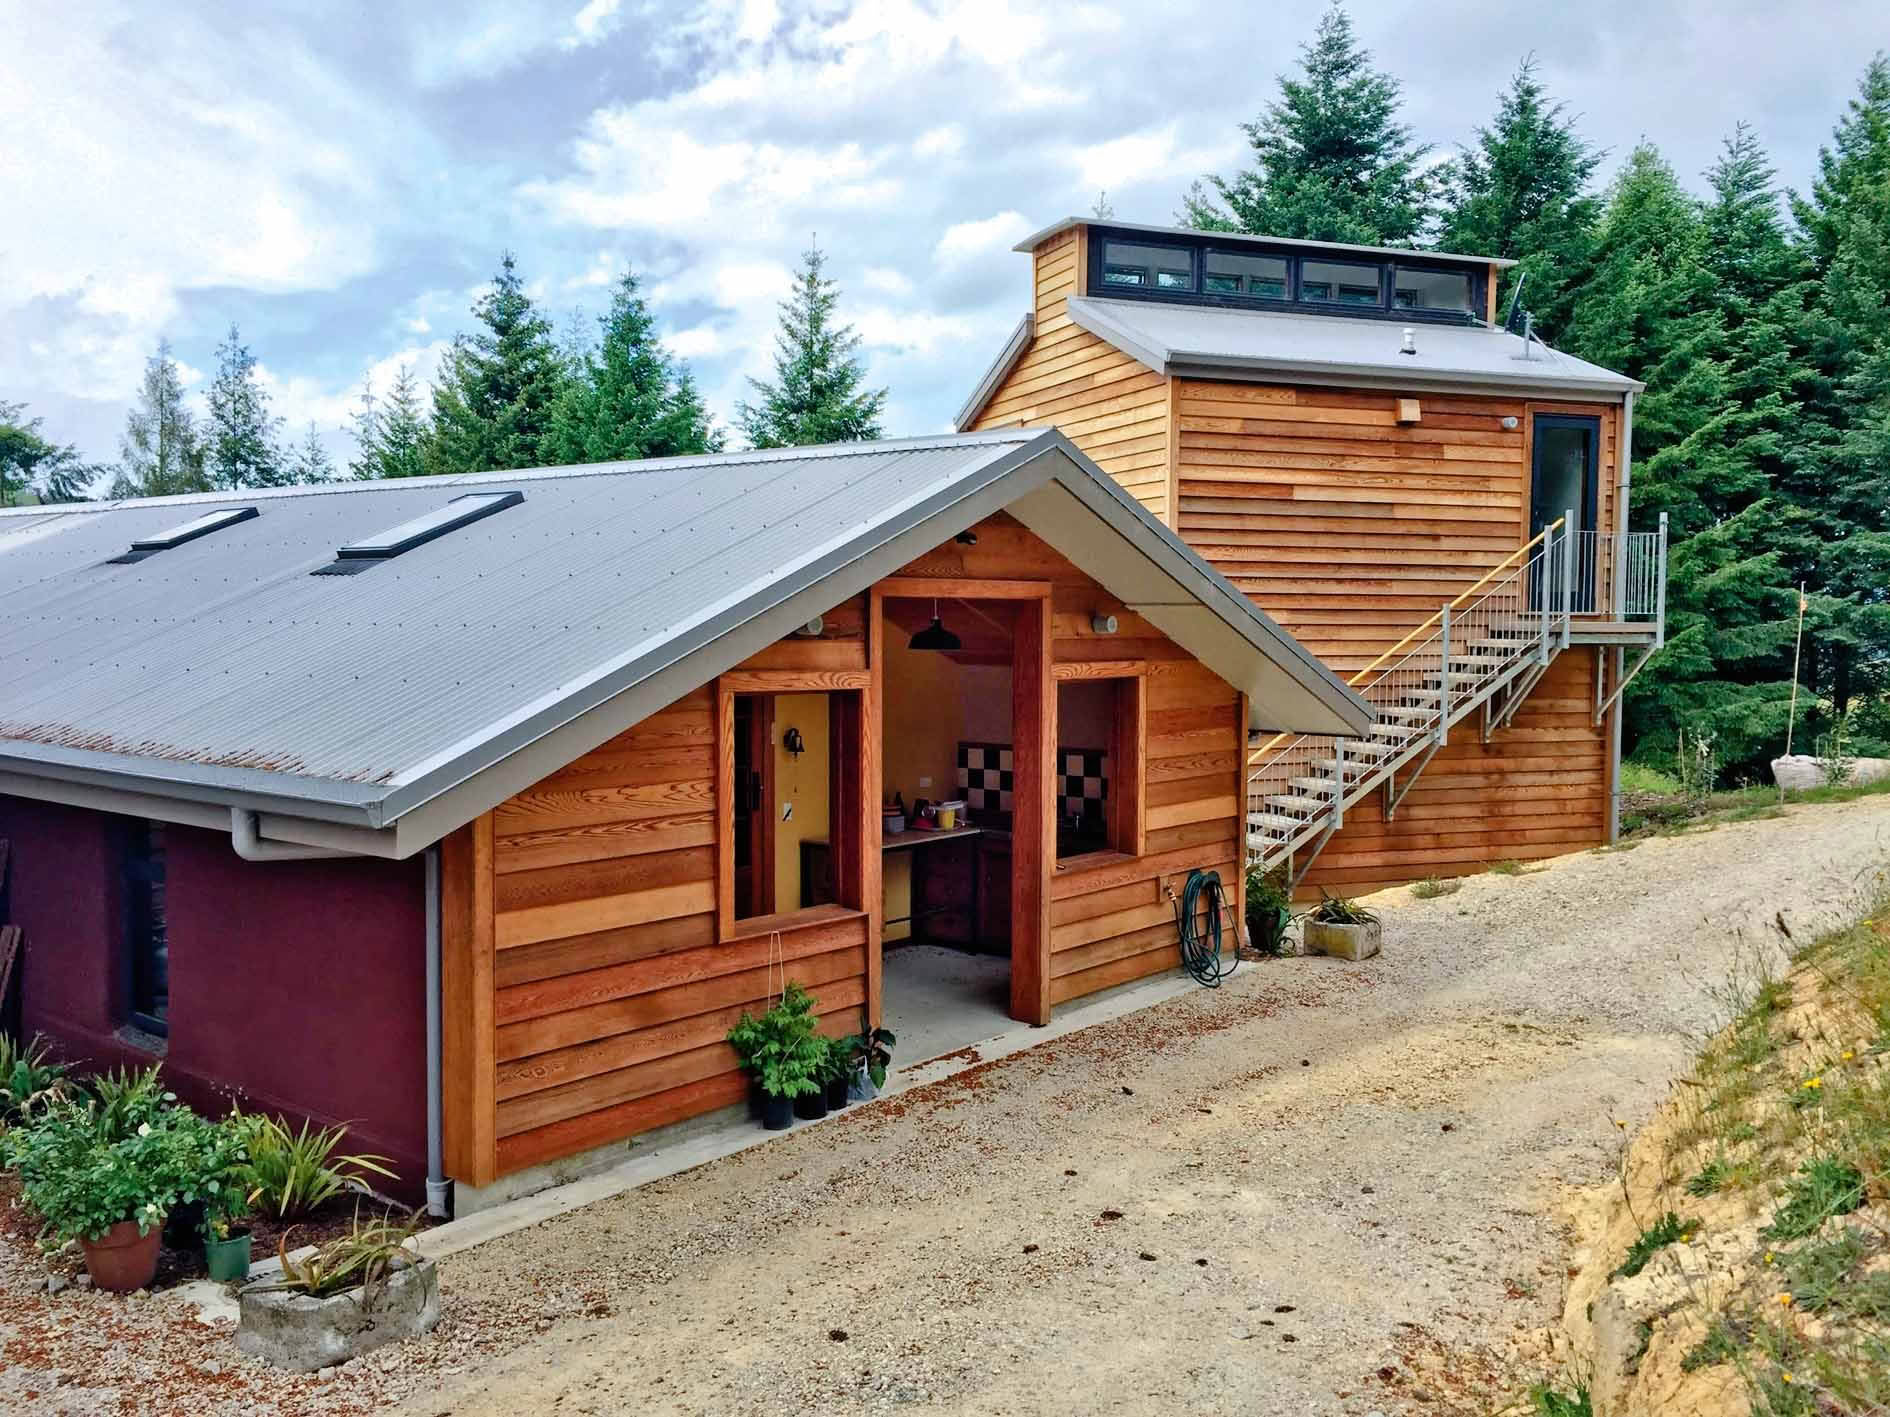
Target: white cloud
(972,240)
(591,24)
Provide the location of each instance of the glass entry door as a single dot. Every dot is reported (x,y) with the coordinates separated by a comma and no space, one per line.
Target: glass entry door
(1562,476)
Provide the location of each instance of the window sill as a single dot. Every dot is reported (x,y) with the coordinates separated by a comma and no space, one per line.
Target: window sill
(785,920)
(1091,860)
(132,1036)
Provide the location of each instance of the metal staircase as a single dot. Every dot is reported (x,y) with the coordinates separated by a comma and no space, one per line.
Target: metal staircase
(1480,655)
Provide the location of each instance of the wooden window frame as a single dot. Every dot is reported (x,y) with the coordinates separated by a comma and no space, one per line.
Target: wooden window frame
(1128,752)
(847,693)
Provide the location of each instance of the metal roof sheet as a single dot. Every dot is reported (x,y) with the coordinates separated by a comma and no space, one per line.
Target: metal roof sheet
(224,664)
(1216,342)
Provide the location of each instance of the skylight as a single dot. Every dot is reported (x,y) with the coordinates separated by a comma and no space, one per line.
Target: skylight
(359,555)
(189,531)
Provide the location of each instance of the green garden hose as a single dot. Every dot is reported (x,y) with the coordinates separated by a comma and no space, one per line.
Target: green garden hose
(1198,914)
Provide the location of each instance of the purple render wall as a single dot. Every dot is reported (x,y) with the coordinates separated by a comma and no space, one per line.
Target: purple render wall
(297,986)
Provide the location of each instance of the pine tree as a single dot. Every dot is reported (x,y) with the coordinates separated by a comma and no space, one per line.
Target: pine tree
(241,436)
(391,435)
(493,401)
(29,463)
(1332,161)
(162,452)
(310,462)
(816,395)
(1522,193)
(1840,481)
(627,398)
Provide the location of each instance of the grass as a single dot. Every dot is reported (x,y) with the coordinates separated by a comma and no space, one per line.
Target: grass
(1506,868)
(1822,1188)
(1433,886)
(1670,1229)
(1671,814)
(1546,1401)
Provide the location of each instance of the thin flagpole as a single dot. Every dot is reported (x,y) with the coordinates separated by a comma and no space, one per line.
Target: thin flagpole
(1797,647)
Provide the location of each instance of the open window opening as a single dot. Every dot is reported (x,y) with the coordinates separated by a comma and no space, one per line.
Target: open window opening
(794,761)
(1099,766)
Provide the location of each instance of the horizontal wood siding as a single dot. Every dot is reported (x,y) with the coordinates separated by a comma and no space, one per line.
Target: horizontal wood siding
(1539,789)
(1347,527)
(1112,406)
(612,990)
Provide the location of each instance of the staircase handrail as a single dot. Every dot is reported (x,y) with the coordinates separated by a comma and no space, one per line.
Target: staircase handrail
(1436,620)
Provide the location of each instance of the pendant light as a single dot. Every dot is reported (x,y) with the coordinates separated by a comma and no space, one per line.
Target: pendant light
(935,635)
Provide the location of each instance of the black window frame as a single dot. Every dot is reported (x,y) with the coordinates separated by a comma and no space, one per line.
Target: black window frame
(146,953)
(1200,247)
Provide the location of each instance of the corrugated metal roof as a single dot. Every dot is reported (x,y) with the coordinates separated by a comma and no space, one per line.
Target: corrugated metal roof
(224,661)
(1242,238)
(1217,342)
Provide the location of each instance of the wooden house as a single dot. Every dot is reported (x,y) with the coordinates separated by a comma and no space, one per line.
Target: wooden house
(1429,498)
(473,811)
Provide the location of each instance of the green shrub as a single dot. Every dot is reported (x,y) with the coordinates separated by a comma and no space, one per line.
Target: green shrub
(29,1078)
(83,1178)
(1547,1401)
(1269,909)
(1709,1178)
(1670,1229)
(290,1173)
(126,1099)
(1433,886)
(1337,910)
(782,1048)
(362,1258)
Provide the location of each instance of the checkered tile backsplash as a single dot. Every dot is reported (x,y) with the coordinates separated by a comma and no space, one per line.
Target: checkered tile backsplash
(985,779)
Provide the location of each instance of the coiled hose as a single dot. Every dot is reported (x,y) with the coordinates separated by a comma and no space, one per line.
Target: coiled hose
(1198,914)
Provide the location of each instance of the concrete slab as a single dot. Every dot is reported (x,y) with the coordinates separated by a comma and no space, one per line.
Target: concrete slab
(938,1000)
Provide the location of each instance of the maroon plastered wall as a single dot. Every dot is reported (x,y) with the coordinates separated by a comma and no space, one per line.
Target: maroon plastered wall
(300,986)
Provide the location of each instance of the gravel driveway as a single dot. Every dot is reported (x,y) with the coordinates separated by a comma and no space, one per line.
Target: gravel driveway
(1271,1199)
(1256,1201)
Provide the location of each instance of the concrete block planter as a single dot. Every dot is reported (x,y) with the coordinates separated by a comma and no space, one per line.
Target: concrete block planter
(303,1333)
(1353,942)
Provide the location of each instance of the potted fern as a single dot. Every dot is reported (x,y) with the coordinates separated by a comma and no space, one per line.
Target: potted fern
(1269,910)
(227,1197)
(781,1051)
(836,1062)
(1342,928)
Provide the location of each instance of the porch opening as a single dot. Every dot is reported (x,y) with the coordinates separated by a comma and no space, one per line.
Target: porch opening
(949,785)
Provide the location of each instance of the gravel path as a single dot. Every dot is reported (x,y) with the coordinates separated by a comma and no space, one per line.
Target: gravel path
(1285,1197)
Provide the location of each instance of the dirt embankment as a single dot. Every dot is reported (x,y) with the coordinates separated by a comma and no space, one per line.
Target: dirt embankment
(1740,1262)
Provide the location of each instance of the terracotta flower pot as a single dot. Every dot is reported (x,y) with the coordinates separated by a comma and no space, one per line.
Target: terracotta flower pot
(121,1259)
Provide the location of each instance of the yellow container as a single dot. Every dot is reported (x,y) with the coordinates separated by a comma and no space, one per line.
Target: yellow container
(947,818)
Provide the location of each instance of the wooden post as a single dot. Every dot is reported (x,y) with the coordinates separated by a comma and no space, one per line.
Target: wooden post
(872,772)
(469,1026)
(1033,817)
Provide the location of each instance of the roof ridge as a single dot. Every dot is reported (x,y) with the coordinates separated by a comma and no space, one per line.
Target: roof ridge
(623,466)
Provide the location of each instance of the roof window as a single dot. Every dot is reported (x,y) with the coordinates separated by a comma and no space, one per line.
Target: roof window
(189,531)
(1208,269)
(357,556)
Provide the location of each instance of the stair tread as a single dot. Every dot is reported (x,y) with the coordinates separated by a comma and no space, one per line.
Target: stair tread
(1295,802)
(1275,820)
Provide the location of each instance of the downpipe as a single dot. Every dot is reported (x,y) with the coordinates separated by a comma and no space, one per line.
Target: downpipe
(247,840)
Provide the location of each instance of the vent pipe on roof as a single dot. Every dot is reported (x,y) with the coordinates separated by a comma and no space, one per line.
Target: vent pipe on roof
(1409,344)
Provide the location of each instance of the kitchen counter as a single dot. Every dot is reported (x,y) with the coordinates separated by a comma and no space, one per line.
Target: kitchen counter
(899,841)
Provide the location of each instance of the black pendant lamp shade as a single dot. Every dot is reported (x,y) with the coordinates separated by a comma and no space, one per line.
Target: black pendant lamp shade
(935,635)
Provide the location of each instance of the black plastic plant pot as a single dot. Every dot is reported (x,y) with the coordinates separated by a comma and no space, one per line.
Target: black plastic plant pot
(777,1113)
(836,1094)
(812,1106)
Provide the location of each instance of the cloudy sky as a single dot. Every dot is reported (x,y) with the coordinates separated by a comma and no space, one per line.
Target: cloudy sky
(340,179)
